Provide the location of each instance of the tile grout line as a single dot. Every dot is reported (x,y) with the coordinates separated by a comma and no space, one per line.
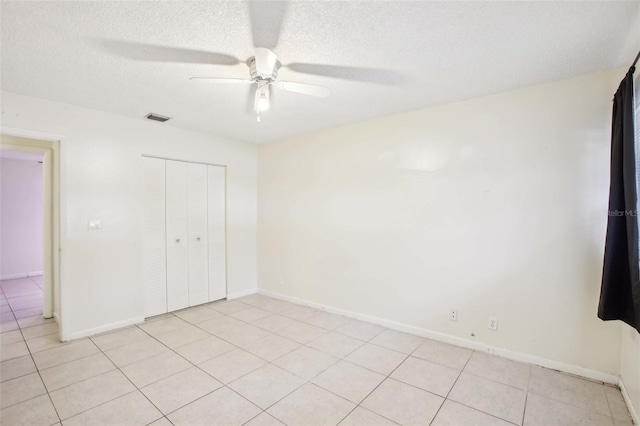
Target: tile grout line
(18,377)
(241,348)
(136,389)
(571,404)
(194,365)
(463,404)
(80,381)
(257,415)
(34,281)
(267,362)
(83,380)
(491,380)
(103,403)
(301,345)
(40,376)
(319,373)
(425,390)
(526,396)
(484,412)
(524,409)
(525,390)
(452,386)
(226,385)
(11,310)
(197,366)
(68,362)
(613,419)
(40,297)
(306,381)
(388,376)
(163,417)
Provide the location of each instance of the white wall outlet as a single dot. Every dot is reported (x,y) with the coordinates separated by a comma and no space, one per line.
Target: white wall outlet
(493,323)
(95,224)
(453,315)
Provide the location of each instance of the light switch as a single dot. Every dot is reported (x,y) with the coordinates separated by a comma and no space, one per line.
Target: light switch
(94,224)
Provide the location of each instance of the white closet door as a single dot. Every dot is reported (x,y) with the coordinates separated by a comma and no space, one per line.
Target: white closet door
(177,235)
(198,241)
(154,240)
(217,237)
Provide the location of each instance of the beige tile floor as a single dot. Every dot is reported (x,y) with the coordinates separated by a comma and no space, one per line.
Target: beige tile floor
(262,361)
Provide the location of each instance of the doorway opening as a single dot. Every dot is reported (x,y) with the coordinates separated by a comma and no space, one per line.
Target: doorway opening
(29,235)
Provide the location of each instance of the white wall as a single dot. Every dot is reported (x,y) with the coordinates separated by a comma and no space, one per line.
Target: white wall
(101,177)
(20,218)
(493,206)
(630,365)
(630,347)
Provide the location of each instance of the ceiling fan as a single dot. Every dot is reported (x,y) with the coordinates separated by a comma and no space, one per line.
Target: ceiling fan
(263,69)
(267,18)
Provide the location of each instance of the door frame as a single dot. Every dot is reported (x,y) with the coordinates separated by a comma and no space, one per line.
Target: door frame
(226,237)
(50,146)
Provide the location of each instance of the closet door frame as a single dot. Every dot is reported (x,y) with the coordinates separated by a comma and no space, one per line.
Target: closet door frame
(226,286)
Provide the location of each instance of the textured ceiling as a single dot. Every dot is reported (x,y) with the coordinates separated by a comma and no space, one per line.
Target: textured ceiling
(129,57)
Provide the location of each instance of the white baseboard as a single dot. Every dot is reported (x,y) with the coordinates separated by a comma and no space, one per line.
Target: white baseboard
(13,276)
(102,328)
(630,406)
(132,321)
(241,293)
(20,275)
(458,341)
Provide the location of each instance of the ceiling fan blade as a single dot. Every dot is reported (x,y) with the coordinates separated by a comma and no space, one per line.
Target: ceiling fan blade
(267,18)
(370,75)
(265,61)
(157,53)
(224,80)
(304,89)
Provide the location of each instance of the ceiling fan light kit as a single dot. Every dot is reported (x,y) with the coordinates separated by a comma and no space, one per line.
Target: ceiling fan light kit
(263,69)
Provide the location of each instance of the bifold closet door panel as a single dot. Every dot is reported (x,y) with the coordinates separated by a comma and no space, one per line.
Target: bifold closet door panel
(217,236)
(177,236)
(198,241)
(154,239)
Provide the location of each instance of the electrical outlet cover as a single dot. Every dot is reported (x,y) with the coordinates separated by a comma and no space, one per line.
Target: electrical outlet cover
(493,323)
(94,224)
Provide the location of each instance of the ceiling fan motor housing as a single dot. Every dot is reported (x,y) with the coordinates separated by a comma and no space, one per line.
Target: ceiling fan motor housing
(251,63)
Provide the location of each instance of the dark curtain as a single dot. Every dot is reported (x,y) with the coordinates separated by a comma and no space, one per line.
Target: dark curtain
(620,292)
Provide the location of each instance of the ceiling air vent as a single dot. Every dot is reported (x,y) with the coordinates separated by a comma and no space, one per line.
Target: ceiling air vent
(157,117)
